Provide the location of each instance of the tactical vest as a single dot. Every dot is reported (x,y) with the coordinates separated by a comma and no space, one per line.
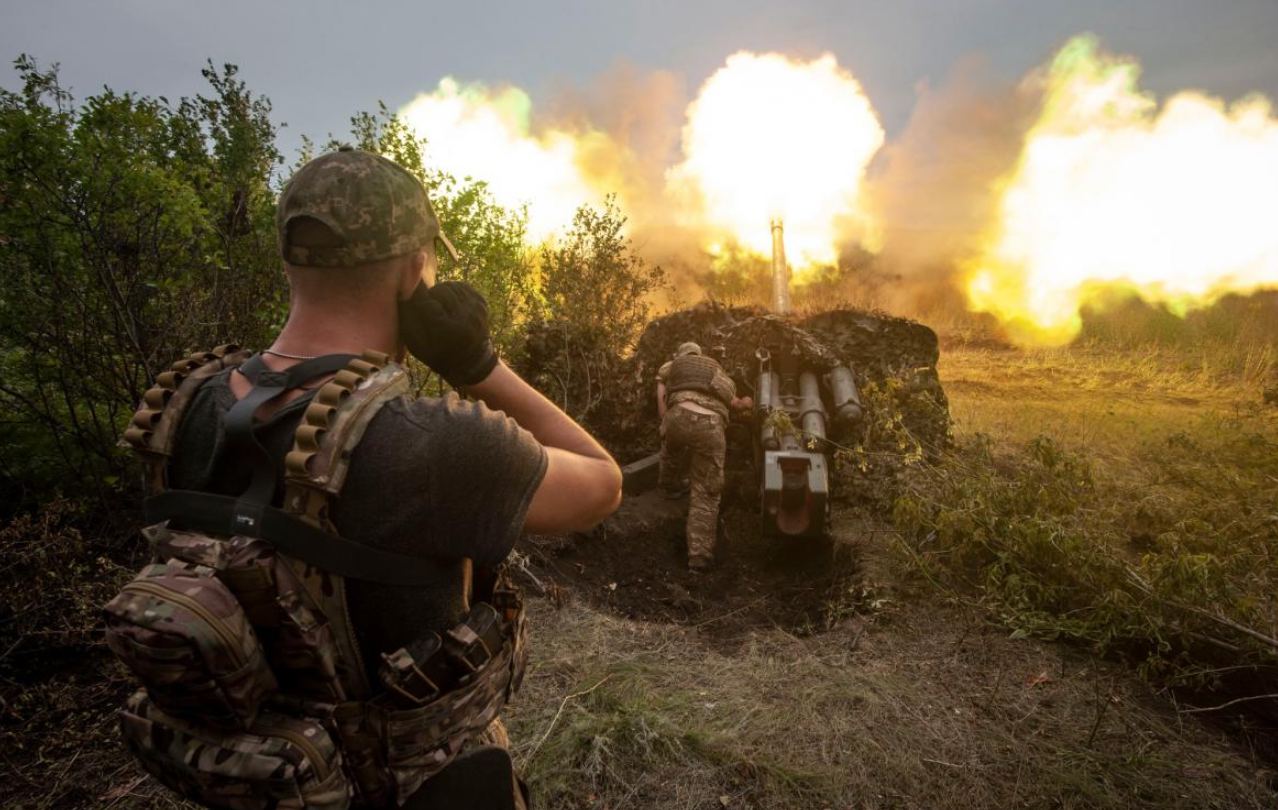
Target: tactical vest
(254,693)
(693,372)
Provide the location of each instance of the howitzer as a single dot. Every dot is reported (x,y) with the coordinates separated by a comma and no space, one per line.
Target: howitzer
(791,420)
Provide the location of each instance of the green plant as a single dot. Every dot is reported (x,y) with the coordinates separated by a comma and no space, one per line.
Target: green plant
(133,231)
(1172,570)
(595,299)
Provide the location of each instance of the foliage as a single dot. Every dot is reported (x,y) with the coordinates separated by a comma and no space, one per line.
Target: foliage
(872,465)
(738,277)
(133,231)
(596,295)
(1172,569)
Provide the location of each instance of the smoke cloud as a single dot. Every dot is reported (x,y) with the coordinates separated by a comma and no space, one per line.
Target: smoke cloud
(936,187)
(911,232)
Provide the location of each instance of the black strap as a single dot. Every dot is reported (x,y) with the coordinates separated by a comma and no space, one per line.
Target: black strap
(240,426)
(223,514)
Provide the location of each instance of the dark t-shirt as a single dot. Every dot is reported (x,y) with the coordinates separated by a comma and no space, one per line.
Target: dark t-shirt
(440,478)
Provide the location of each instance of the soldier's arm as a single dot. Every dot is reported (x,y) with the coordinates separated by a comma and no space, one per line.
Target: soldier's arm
(662,373)
(582,485)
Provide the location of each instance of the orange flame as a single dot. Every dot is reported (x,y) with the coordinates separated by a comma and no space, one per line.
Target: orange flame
(1177,205)
(767,137)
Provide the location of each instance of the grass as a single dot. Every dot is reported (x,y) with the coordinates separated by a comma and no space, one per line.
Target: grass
(1124,500)
(929,707)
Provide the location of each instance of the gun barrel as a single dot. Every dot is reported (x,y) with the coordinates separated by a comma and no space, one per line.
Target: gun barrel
(780,272)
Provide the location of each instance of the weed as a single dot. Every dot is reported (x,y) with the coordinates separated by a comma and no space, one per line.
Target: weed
(1159,546)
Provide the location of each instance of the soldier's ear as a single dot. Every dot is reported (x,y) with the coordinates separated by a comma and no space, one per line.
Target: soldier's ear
(414,272)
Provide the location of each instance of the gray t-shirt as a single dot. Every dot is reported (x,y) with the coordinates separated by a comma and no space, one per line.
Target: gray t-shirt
(441,478)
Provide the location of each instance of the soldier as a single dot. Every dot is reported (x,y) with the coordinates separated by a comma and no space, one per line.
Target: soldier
(447,480)
(694,400)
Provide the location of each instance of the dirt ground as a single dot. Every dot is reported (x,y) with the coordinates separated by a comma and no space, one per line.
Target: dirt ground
(785,680)
(634,567)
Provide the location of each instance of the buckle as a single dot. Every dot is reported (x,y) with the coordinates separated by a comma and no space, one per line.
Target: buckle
(465,647)
(416,676)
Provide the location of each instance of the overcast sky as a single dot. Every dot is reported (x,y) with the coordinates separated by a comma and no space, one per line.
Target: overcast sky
(320,61)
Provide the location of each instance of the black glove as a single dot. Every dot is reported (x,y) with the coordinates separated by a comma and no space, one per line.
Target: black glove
(446,327)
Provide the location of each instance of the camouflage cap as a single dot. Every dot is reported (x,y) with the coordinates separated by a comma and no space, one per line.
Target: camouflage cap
(688,348)
(352,207)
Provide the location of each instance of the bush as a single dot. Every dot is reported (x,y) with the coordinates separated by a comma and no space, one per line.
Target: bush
(595,300)
(133,231)
(1172,569)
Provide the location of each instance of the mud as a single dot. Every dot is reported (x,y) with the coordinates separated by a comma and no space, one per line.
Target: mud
(634,566)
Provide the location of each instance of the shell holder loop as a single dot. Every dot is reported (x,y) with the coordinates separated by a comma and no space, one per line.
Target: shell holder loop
(153,428)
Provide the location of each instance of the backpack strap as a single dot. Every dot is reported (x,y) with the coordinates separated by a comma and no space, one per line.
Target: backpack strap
(153,429)
(314,474)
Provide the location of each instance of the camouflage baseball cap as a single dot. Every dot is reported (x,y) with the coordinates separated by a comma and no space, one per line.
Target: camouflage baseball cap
(688,348)
(352,207)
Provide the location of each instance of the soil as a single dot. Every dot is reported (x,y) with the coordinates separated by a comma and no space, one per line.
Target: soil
(634,566)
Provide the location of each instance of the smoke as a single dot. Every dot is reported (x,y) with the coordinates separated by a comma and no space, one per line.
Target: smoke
(935,187)
(913,225)
(1117,191)
(642,113)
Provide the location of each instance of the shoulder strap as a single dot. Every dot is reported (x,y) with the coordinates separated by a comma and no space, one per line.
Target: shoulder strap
(153,429)
(314,473)
(241,426)
(333,424)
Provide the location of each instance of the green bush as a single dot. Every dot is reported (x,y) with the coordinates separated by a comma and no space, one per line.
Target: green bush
(133,231)
(594,301)
(1172,568)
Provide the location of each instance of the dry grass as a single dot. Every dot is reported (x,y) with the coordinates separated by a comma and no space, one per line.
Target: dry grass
(922,707)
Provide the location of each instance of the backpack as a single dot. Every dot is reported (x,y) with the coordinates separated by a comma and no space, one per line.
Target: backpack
(253,690)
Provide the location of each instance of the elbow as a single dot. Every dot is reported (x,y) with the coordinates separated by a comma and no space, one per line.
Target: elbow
(608,495)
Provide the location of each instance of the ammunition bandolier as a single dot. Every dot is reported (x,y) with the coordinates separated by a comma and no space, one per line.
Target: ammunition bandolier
(254,692)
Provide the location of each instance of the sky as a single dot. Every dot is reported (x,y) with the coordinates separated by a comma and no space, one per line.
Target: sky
(321,61)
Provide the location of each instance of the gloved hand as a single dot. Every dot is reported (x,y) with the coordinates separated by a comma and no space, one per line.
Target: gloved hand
(446,327)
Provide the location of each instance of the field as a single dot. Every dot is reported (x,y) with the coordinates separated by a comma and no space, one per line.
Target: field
(906,687)
(902,673)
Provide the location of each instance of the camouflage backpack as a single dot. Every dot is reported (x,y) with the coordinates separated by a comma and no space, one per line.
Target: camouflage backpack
(254,693)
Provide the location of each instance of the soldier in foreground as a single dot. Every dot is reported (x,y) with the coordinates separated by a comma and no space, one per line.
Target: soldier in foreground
(322,627)
(695,398)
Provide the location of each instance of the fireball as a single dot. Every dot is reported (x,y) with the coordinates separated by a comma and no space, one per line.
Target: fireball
(772,137)
(485,134)
(1174,204)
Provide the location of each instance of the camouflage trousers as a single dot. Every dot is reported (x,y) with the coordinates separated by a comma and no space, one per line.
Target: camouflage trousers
(693,446)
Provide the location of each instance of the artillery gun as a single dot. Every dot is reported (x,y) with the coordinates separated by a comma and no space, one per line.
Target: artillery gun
(791,421)
(809,378)
(790,425)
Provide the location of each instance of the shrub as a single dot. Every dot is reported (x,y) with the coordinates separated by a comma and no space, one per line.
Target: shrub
(133,231)
(595,300)
(1172,569)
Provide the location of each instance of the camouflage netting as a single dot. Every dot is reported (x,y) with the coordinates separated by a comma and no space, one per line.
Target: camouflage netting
(894,360)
